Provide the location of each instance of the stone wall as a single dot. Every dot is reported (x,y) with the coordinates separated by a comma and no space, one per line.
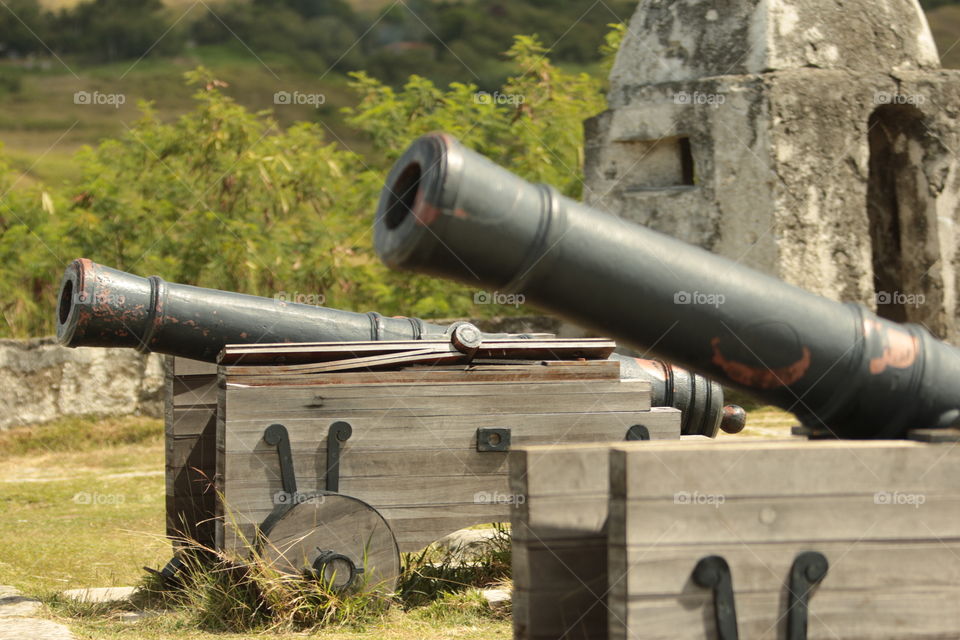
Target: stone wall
(42,381)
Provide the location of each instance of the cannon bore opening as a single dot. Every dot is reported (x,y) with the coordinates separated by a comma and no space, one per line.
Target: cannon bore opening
(403,194)
(66,301)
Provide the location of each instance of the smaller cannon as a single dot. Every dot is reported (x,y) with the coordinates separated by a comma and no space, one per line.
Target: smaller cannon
(104,307)
(331,441)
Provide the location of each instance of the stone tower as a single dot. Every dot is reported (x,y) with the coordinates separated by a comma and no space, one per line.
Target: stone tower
(815,140)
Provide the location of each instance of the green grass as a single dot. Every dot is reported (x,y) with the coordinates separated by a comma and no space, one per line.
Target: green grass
(80,434)
(83,501)
(467,624)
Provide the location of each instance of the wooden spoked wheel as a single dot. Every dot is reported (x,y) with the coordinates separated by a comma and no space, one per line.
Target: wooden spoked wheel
(338,539)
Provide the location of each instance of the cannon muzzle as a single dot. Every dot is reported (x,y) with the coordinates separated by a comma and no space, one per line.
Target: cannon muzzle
(449,212)
(103,307)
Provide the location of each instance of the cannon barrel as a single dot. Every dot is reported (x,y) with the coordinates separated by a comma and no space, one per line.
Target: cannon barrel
(103,307)
(450,212)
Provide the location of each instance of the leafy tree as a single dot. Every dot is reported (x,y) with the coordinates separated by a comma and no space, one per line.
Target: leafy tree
(24,26)
(224,198)
(109,30)
(532,125)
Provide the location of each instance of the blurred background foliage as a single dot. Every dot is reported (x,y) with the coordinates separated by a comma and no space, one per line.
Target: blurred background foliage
(212,182)
(446,41)
(224,197)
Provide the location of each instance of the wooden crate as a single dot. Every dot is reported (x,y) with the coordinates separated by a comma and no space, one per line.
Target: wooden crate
(886,515)
(190,426)
(413,450)
(559,531)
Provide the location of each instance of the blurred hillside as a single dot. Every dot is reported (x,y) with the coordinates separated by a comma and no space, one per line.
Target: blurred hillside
(55,49)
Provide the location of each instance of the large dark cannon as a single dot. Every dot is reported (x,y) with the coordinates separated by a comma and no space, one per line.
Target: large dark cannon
(449,212)
(103,307)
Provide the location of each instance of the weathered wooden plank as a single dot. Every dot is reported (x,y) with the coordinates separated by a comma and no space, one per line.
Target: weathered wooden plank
(189,482)
(428,399)
(416,527)
(259,467)
(664,570)
(221,521)
(191,421)
(786,519)
(545,371)
(444,406)
(406,490)
(395,431)
(188,367)
(243,395)
(559,559)
(189,451)
(189,391)
(783,468)
(876,614)
(567,469)
(193,451)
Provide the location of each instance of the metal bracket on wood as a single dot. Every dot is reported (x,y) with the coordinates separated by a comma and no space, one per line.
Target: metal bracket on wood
(329,559)
(808,569)
(713,572)
(493,439)
(638,432)
(276,436)
(338,433)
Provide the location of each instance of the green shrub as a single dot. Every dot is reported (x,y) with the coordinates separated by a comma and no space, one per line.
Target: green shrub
(225,198)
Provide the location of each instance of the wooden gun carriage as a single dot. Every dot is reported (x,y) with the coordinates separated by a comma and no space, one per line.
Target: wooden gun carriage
(364,449)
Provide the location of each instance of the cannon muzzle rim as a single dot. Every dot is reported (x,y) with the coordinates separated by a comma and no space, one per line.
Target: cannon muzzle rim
(75,288)
(410,202)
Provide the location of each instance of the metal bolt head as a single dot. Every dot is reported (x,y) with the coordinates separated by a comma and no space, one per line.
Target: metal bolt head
(466,337)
